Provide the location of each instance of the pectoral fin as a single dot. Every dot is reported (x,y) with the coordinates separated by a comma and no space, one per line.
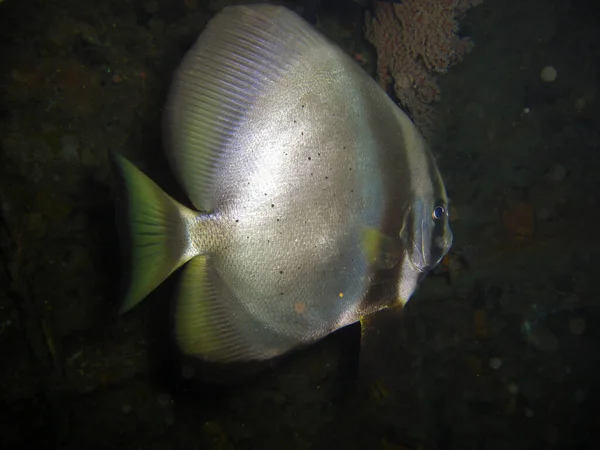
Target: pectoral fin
(380,250)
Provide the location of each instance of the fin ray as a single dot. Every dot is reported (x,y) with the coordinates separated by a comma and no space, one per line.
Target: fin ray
(211,324)
(155,230)
(240,54)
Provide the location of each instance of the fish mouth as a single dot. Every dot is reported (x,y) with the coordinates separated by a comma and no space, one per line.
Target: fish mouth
(421,268)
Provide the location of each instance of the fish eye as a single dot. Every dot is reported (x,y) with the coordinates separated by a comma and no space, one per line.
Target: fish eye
(438,212)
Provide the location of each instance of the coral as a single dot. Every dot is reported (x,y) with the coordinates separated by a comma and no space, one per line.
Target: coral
(416,40)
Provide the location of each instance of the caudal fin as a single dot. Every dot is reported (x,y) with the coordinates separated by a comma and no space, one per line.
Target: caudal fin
(153,232)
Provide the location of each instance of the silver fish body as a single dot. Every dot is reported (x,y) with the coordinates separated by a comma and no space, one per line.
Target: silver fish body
(317,201)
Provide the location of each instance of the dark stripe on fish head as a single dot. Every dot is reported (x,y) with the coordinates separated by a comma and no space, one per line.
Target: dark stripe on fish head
(440,233)
(426,230)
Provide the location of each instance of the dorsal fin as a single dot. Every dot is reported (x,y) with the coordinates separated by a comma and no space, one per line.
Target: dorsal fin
(240,54)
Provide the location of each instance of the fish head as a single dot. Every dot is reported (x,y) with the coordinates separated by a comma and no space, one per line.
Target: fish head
(426,232)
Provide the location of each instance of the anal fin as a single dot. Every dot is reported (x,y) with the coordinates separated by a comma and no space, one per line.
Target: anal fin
(383,352)
(213,325)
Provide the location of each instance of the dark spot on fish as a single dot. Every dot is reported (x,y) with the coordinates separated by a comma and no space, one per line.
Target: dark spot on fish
(237,220)
(281,293)
(281,272)
(294,121)
(350,169)
(309,158)
(344,147)
(303,106)
(277,220)
(318,154)
(327,178)
(265,193)
(272,205)
(302,133)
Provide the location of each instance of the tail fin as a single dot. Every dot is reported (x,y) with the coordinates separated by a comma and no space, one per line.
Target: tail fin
(155,229)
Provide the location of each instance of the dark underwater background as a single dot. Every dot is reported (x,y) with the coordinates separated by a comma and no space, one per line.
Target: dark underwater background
(499,347)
